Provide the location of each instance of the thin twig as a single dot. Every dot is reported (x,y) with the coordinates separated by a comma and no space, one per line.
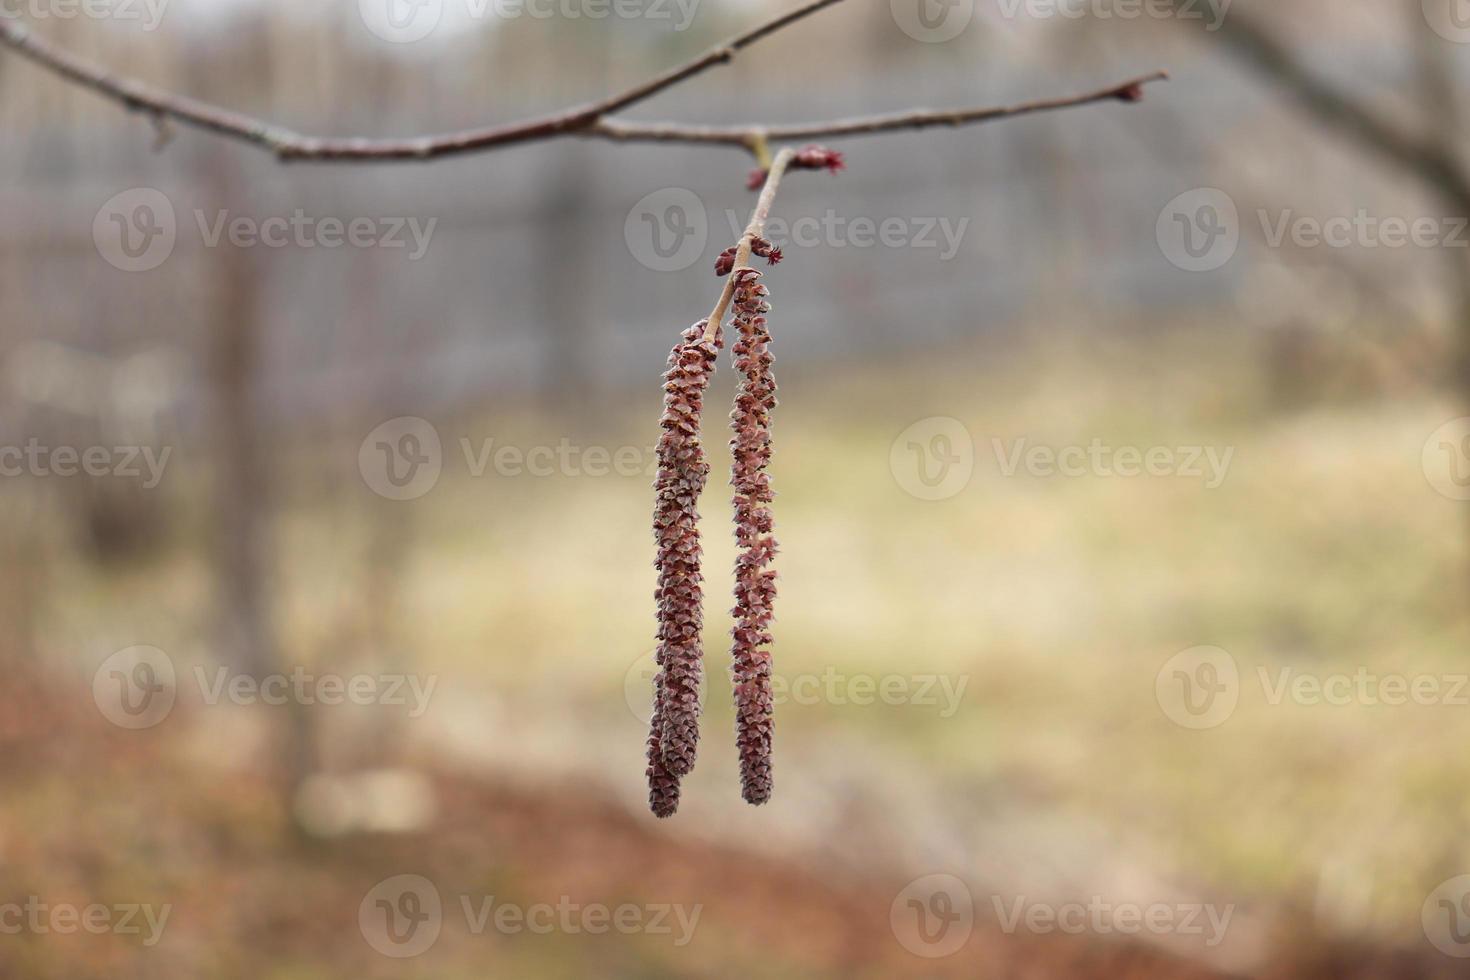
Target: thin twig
(135,95)
(586,121)
(754,230)
(1129,91)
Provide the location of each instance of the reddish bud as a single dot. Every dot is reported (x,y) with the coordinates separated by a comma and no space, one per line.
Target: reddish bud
(725,262)
(814,157)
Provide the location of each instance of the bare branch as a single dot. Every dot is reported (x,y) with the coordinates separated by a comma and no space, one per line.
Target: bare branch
(136,95)
(753,231)
(1129,91)
(585,121)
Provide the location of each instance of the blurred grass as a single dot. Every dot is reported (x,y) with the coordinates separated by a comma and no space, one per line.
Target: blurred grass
(1058,598)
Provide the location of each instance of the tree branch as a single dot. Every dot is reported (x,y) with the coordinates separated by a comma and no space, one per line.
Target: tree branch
(136,95)
(753,231)
(585,121)
(1129,91)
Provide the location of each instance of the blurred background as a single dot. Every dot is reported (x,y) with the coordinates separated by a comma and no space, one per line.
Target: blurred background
(1121,459)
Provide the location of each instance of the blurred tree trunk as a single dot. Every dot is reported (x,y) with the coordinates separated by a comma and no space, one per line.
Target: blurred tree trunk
(242,503)
(241,484)
(1430,153)
(1442,117)
(568,375)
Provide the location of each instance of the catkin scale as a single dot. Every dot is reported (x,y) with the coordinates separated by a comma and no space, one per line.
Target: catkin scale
(755,584)
(682,473)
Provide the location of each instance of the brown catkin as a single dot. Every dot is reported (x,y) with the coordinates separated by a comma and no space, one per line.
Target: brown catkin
(663,786)
(755,584)
(682,472)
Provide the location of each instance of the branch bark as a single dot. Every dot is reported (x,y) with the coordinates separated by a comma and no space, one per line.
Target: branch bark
(753,231)
(589,121)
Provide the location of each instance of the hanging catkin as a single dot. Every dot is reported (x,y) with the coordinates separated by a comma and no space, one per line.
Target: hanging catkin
(682,472)
(755,583)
